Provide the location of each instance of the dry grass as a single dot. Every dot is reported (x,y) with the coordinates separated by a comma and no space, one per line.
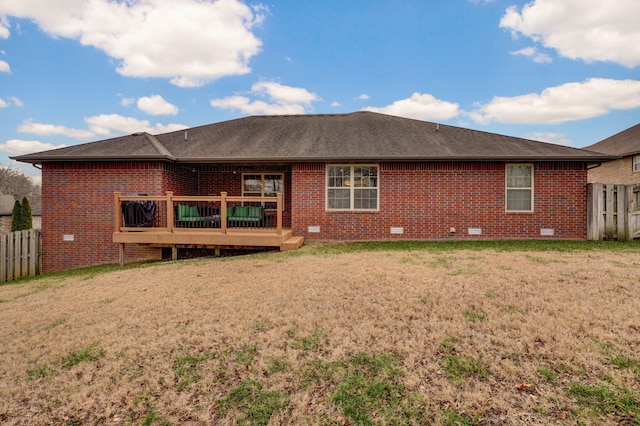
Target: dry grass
(374,337)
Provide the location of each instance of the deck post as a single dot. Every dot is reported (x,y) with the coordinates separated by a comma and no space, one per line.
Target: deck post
(279,213)
(223,212)
(121,254)
(170,211)
(118,211)
(174,253)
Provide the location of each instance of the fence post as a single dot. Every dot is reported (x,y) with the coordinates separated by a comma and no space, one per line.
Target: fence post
(630,206)
(4,266)
(621,212)
(594,210)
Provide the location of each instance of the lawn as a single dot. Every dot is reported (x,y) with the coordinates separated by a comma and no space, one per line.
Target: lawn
(341,334)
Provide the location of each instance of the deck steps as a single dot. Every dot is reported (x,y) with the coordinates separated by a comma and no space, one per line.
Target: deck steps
(292,243)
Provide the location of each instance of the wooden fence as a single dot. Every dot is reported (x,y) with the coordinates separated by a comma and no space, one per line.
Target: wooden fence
(20,254)
(613,212)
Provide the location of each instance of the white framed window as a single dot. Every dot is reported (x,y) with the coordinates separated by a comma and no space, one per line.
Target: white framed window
(519,187)
(263,185)
(352,187)
(636,163)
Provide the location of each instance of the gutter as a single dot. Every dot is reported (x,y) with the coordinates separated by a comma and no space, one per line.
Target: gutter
(169,157)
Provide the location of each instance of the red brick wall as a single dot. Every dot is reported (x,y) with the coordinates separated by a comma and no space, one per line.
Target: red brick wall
(427,199)
(77,199)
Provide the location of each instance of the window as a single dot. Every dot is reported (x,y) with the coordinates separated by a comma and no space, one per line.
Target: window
(636,163)
(352,187)
(262,185)
(519,191)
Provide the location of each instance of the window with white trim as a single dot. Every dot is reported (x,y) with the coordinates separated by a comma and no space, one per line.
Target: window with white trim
(263,185)
(636,163)
(519,187)
(352,187)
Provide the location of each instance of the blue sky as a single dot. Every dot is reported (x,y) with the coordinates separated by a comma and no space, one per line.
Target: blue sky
(75,71)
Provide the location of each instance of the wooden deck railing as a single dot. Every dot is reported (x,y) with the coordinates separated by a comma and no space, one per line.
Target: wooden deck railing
(222,214)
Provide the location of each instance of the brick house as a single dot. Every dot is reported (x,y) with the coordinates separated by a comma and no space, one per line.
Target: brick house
(625,170)
(357,176)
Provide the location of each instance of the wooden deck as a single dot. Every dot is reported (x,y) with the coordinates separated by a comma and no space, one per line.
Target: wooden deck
(158,221)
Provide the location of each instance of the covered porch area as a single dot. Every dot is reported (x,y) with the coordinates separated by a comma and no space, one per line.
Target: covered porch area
(201,222)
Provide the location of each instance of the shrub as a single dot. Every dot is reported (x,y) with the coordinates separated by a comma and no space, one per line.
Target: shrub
(16,217)
(25,214)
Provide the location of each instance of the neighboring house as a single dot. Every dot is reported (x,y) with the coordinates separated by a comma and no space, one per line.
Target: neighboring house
(357,176)
(625,170)
(6,211)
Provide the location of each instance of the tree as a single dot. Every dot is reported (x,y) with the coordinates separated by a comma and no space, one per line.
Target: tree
(16,217)
(14,182)
(25,214)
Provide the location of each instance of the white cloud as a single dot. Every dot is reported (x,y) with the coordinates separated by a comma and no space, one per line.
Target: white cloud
(420,107)
(3,103)
(190,42)
(4,27)
(107,124)
(592,30)
(550,137)
(282,100)
(5,67)
(127,101)
(28,126)
(568,102)
(335,104)
(156,105)
(532,52)
(103,125)
(363,97)
(19,146)
(16,101)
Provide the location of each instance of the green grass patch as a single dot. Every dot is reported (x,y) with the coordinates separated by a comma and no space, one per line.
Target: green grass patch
(600,399)
(474,316)
(541,260)
(88,354)
(55,324)
(247,354)
(370,391)
(460,368)
(41,372)
(250,404)
(624,362)
(450,246)
(153,418)
(186,368)
(548,374)
(453,418)
(277,365)
(308,343)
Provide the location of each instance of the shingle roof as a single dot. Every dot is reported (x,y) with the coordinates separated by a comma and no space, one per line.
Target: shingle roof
(358,136)
(624,143)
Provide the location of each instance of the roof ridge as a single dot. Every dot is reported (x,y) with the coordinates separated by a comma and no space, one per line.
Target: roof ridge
(158,145)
